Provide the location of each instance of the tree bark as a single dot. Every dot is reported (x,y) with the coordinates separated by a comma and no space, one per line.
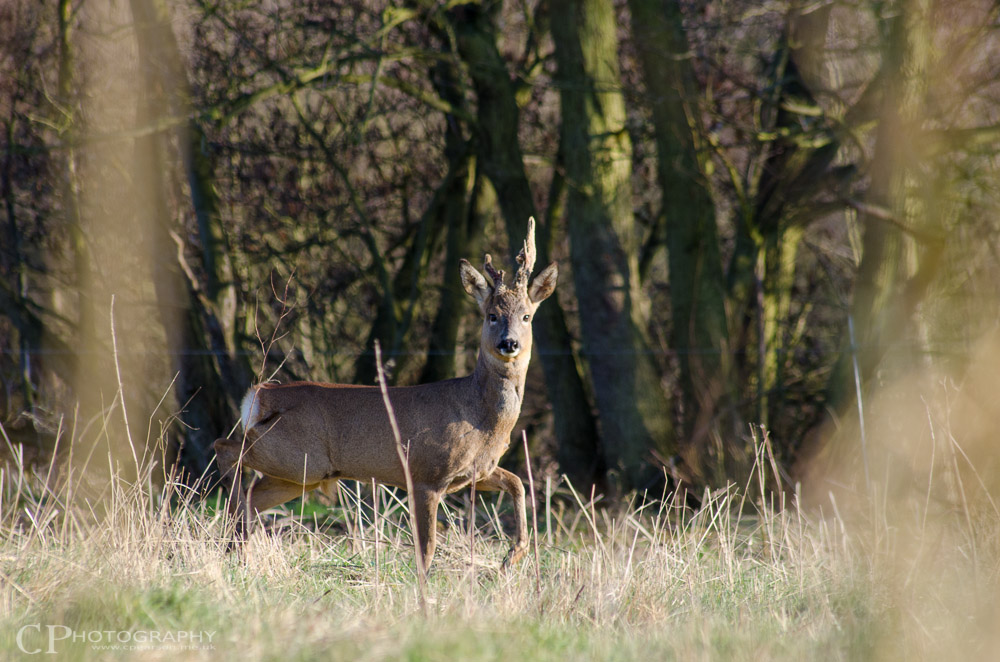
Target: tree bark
(458,212)
(198,314)
(502,161)
(888,290)
(633,410)
(697,292)
(395,314)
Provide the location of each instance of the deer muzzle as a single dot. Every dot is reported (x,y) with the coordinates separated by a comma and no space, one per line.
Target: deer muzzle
(508,347)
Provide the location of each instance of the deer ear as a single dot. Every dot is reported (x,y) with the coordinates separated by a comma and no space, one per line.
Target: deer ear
(475,284)
(544,284)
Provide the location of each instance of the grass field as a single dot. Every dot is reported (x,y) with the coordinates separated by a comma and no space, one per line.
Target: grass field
(141,572)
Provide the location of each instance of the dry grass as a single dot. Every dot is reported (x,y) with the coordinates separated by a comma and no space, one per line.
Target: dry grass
(742,578)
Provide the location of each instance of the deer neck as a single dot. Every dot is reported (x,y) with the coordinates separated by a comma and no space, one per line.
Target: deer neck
(499,385)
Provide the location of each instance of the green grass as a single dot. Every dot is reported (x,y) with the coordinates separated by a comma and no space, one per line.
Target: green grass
(618,583)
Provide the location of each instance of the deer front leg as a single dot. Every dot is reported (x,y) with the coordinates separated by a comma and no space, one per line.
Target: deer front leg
(501,479)
(425,513)
(269,492)
(227,456)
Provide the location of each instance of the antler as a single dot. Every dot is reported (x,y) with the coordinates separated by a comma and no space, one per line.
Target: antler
(496,275)
(526,258)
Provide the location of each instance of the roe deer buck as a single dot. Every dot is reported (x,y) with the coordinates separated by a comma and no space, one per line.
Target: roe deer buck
(303,435)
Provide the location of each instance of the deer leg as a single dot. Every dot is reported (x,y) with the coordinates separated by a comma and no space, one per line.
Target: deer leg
(227,456)
(503,480)
(269,492)
(426,505)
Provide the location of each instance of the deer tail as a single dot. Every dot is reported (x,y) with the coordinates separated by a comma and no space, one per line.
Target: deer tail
(250,409)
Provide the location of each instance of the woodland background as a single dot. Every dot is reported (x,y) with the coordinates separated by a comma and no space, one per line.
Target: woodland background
(767,215)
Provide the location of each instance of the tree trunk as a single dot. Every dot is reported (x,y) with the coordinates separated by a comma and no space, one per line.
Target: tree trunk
(501,160)
(198,317)
(887,290)
(697,292)
(395,314)
(70,188)
(632,407)
(897,266)
(458,214)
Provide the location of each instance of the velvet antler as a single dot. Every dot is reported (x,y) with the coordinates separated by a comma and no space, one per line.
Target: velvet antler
(526,258)
(495,274)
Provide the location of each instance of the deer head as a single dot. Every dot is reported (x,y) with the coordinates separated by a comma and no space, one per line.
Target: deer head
(508,310)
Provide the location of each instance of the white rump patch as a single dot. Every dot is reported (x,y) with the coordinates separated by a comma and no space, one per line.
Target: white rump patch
(250,409)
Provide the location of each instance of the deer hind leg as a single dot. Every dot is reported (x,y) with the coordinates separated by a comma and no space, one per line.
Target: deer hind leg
(426,504)
(268,492)
(503,480)
(228,453)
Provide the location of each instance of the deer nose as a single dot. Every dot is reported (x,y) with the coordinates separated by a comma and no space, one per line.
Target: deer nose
(508,347)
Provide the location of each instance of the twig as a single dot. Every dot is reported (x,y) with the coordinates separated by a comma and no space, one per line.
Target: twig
(302,496)
(534,514)
(472,537)
(285,311)
(376,524)
(888,216)
(411,498)
(548,510)
(359,543)
(861,406)
(121,390)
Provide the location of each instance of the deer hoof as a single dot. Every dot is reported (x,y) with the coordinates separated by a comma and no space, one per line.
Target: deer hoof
(236,537)
(235,542)
(515,554)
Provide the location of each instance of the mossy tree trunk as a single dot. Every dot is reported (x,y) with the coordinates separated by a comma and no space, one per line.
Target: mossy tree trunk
(688,229)
(898,260)
(464,219)
(633,410)
(502,162)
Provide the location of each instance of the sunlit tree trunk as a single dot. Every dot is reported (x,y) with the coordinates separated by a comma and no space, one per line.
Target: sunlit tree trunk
(795,166)
(70,187)
(697,292)
(894,271)
(198,310)
(501,160)
(632,407)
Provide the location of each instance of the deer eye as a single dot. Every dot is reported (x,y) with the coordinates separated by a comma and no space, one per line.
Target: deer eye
(493,318)
(526,318)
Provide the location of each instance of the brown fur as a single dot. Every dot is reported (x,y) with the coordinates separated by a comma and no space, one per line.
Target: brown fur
(305,435)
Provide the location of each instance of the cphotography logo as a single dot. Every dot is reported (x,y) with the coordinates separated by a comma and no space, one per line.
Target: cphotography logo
(36,638)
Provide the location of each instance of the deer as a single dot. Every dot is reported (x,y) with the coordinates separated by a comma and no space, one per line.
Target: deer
(306,435)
